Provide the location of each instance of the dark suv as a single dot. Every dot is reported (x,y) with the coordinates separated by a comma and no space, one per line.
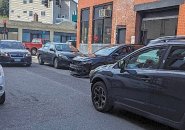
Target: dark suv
(149,82)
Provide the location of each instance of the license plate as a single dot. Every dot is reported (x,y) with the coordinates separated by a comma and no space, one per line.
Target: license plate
(17,60)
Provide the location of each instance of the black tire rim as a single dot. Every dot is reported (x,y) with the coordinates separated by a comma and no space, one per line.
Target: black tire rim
(99,97)
(56,63)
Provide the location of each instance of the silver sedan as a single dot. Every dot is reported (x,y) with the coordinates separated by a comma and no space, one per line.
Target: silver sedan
(2,86)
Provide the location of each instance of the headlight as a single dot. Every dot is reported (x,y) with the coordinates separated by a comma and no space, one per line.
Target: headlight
(87,62)
(28,54)
(5,54)
(63,57)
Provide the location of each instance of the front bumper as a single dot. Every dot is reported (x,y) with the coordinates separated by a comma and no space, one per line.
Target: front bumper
(80,70)
(64,62)
(10,60)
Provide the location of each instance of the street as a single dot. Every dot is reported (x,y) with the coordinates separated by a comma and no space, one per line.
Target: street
(41,97)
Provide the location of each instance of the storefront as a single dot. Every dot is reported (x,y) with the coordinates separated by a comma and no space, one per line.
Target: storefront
(63,37)
(28,35)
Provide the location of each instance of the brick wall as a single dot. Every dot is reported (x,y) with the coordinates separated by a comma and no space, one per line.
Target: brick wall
(181,21)
(123,14)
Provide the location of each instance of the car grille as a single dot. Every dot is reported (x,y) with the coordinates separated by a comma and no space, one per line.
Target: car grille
(16,55)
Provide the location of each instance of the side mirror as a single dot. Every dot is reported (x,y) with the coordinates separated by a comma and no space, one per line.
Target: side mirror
(51,49)
(115,55)
(121,65)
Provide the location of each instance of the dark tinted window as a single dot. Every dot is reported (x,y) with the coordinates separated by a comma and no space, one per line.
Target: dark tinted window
(106,51)
(65,47)
(149,59)
(11,45)
(176,59)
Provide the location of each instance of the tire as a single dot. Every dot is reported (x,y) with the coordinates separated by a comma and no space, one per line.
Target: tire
(40,60)
(2,99)
(100,98)
(34,51)
(55,63)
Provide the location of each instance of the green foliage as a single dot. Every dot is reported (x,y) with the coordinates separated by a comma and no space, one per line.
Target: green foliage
(4,8)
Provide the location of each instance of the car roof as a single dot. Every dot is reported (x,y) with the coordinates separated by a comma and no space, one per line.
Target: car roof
(182,42)
(58,43)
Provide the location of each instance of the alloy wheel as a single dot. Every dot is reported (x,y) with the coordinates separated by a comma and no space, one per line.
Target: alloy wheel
(99,97)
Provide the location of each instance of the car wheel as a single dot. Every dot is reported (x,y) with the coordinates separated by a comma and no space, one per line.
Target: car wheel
(56,65)
(41,62)
(2,99)
(100,98)
(33,51)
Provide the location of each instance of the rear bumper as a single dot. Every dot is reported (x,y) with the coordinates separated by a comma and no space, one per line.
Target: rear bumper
(80,70)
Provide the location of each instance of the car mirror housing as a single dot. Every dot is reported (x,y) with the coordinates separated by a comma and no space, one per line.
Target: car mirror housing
(51,49)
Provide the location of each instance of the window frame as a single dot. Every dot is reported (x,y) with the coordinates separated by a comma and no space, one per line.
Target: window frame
(81,23)
(160,66)
(103,20)
(166,57)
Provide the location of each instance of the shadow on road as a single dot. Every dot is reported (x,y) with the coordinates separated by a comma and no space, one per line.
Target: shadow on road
(139,120)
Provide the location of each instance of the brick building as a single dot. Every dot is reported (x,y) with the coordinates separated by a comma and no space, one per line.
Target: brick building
(103,22)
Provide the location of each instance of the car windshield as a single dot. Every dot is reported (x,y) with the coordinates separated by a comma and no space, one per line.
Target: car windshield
(106,51)
(65,47)
(11,45)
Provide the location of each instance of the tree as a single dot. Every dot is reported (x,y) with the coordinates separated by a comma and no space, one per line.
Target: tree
(4,7)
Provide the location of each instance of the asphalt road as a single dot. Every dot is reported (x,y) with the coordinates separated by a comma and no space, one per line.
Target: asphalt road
(43,98)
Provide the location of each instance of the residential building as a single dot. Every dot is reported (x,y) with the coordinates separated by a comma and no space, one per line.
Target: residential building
(45,11)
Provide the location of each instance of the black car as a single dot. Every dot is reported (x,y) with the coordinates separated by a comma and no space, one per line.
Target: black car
(57,54)
(82,65)
(14,52)
(149,82)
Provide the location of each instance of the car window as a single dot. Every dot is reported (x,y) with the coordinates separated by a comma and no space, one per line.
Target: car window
(65,47)
(52,46)
(122,51)
(146,59)
(176,59)
(106,51)
(11,45)
(46,46)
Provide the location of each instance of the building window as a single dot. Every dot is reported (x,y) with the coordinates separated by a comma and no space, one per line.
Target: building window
(24,1)
(24,12)
(43,13)
(30,13)
(30,1)
(84,25)
(43,2)
(102,24)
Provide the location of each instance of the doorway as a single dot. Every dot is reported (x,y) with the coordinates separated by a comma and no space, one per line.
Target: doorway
(121,35)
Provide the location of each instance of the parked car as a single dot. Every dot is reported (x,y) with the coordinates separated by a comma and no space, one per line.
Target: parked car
(35,45)
(57,54)
(149,82)
(14,52)
(166,39)
(2,86)
(82,65)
